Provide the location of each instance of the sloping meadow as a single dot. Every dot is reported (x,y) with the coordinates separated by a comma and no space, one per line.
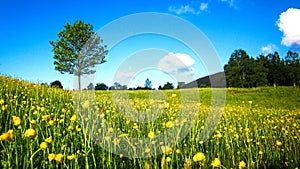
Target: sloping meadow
(44,127)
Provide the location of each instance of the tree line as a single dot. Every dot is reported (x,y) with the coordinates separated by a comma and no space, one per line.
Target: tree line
(265,70)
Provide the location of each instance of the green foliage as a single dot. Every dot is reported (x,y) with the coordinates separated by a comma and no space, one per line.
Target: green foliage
(78,50)
(101,86)
(56,84)
(245,71)
(168,85)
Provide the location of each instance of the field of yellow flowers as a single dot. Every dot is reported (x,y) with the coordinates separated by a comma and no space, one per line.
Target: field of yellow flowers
(41,128)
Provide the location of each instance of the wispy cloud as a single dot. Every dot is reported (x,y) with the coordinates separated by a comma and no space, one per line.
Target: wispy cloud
(177,63)
(192,8)
(288,24)
(203,6)
(269,48)
(231,3)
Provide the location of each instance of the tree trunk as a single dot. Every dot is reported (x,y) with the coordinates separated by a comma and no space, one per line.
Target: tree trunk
(79,86)
(294,83)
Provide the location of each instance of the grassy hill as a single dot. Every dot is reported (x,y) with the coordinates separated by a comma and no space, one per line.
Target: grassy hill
(42,127)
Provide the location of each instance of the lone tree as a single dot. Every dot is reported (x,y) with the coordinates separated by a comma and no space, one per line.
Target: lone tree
(148,84)
(78,50)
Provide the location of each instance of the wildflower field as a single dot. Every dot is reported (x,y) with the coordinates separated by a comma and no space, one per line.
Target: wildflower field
(40,128)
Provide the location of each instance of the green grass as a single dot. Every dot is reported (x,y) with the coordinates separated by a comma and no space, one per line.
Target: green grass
(259,126)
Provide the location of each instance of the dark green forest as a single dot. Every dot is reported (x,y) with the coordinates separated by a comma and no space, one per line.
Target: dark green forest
(245,71)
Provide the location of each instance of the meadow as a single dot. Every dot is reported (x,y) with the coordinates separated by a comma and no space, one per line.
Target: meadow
(44,127)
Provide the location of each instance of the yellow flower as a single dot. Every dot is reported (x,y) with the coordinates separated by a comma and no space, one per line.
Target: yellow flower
(59,158)
(166,150)
(64,110)
(33,121)
(168,159)
(4,107)
(51,156)
(199,157)
(151,135)
(30,133)
(260,152)
(45,117)
(242,164)
(78,129)
(169,124)
(250,102)
(247,130)
(1,101)
(70,128)
(278,143)
(49,139)
(51,122)
(73,118)
(216,162)
(63,147)
(43,146)
(71,157)
(7,136)
(16,120)
(173,95)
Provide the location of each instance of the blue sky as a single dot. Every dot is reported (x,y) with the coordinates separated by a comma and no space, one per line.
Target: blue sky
(253,25)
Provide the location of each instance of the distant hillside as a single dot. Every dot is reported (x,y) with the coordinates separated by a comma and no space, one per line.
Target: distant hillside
(216,80)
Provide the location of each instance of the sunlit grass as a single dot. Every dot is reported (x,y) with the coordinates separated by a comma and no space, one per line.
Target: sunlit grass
(41,129)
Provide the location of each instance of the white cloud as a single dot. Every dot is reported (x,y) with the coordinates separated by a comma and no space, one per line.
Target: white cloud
(193,8)
(269,48)
(176,63)
(203,6)
(289,24)
(183,10)
(231,3)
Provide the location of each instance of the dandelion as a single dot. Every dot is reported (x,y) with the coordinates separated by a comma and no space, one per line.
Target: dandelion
(187,164)
(71,157)
(51,122)
(278,143)
(242,164)
(73,118)
(70,128)
(49,140)
(59,158)
(169,124)
(9,135)
(1,101)
(198,157)
(168,159)
(151,135)
(4,107)
(45,117)
(33,122)
(216,162)
(247,130)
(166,150)
(30,133)
(51,156)
(16,120)
(173,95)
(43,146)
